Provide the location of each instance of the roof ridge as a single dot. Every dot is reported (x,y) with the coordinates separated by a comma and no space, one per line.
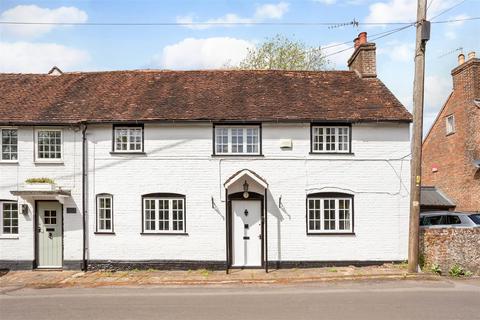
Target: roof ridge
(184,71)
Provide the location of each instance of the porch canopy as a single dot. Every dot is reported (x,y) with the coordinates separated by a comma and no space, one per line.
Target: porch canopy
(30,195)
(245,174)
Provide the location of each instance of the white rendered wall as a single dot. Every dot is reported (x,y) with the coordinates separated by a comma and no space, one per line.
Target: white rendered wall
(66,174)
(178,160)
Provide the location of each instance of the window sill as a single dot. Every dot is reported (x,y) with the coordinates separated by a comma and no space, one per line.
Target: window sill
(104,232)
(128,153)
(164,233)
(334,153)
(330,233)
(9,236)
(237,155)
(450,133)
(60,162)
(8,162)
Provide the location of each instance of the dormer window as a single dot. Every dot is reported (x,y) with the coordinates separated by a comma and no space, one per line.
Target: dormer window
(128,138)
(450,124)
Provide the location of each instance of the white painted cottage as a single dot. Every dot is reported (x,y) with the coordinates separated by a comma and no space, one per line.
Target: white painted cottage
(216,169)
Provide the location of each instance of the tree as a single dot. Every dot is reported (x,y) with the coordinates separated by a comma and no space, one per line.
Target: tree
(281,53)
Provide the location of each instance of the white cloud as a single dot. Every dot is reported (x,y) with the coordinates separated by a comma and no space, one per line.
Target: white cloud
(271,11)
(33,13)
(452,28)
(327,2)
(263,12)
(403,10)
(27,57)
(437,90)
(398,51)
(338,60)
(207,53)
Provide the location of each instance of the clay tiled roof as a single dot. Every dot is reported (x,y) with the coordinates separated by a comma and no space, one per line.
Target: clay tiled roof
(218,95)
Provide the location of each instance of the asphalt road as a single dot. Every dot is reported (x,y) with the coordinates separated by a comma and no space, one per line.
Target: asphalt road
(346,300)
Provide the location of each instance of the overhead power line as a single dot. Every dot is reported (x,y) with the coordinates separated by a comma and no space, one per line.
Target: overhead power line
(331,25)
(457,20)
(186,24)
(448,9)
(374,37)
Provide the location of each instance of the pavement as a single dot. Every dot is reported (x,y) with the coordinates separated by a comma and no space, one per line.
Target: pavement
(438,299)
(52,279)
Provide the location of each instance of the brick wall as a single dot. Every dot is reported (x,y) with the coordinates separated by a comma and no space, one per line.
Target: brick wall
(363,60)
(454,154)
(449,246)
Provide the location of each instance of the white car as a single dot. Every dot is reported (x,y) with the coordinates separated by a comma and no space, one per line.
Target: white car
(441,219)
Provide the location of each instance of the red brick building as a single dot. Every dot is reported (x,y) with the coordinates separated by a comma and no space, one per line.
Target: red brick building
(451,149)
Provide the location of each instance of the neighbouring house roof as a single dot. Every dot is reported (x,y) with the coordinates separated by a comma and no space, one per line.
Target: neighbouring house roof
(433,197)
(216,95)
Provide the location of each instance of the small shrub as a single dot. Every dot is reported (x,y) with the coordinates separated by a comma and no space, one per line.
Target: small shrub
(332,270)
(204,272)
(458,271)
(39,180)
(435,268)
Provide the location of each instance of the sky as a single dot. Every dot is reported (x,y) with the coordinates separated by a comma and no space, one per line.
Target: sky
(36,48)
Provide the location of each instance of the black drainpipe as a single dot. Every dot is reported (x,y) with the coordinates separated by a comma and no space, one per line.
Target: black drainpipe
(84,196)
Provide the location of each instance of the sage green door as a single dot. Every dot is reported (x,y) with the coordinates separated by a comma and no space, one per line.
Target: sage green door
(49,234)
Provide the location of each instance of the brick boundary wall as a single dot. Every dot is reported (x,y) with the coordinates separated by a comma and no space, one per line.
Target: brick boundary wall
(447,247)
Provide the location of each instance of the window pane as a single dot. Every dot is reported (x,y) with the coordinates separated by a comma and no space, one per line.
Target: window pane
(49,144)
(252,140)
(104,213)
(149,214)
(9,143)
(128,139)
(237,140)
(329,214)
(177,214)
(10,218)
(314,214)
(344,214)
(221,140)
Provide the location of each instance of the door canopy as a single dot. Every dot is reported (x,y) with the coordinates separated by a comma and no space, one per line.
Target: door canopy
(246,179)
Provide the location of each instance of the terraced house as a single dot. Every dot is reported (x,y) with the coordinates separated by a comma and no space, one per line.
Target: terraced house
(216,169)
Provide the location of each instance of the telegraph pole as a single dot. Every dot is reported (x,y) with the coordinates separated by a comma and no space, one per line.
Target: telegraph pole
(422,36)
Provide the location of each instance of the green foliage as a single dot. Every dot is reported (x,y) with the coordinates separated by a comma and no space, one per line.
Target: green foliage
(421,261)
(204,272)
(39,180)
(458,271)
(281,53)
(332,270)
(435,268)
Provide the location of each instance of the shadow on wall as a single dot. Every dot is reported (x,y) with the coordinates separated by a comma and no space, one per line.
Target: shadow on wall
(110,164)
(280,213)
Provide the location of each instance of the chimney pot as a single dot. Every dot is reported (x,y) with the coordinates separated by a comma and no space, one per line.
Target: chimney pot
(471,55)
(461,58)
(363,60)
(362,37)
(356,42)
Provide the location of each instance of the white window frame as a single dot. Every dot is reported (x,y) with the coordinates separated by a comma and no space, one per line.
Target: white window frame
(170,215)
(337,215)
(315,146)
(244,144)
(2,233)
(450,126)
(1,145)
(128,128)
(48,160)
(99,208)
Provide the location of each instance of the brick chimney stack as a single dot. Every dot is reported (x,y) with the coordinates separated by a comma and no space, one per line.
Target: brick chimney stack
(466,76)
(363,59)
